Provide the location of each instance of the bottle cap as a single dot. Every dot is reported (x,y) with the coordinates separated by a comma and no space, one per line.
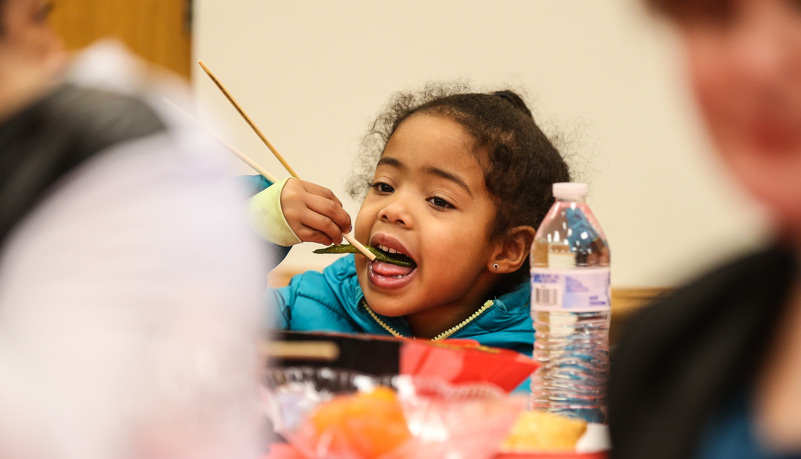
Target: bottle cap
(567,190)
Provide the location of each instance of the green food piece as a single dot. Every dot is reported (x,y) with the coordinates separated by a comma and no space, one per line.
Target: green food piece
(394,258)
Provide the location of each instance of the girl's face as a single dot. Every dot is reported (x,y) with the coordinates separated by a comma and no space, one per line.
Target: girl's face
(745,67)
(428,200)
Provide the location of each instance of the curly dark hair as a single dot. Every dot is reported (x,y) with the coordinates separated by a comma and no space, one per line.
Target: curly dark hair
(520,162)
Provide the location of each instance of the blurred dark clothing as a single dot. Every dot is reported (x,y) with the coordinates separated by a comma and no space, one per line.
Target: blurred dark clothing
(684,358)
(50,137)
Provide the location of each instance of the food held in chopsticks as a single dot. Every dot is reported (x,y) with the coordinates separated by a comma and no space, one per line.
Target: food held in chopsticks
(394,258)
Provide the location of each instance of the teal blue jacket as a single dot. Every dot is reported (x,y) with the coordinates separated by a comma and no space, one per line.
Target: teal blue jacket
(332,301)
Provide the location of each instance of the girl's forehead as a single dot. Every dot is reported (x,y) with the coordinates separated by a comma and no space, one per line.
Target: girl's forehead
(426,142)
(433,132)
(411,161)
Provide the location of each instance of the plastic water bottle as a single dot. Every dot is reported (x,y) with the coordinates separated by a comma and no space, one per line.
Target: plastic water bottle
(571,308)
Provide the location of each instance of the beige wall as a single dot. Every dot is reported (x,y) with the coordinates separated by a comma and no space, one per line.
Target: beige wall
(600,73)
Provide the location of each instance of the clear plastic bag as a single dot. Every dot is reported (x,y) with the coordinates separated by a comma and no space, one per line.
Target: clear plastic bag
(335,414)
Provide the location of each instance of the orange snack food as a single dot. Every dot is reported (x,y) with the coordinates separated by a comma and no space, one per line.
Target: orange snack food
(367,424)
(541,431)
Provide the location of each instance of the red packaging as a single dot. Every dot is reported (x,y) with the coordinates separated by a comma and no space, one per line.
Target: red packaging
(463,362)
(454,361)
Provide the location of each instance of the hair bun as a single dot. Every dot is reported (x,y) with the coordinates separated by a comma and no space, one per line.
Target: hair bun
(513,99)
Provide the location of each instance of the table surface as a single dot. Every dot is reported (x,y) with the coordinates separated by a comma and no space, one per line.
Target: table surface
(285,451)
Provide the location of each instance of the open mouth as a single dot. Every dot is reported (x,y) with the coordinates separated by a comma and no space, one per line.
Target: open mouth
(392,269)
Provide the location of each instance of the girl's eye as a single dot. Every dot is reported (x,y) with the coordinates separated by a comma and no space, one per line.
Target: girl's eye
(440,203)
(382,187)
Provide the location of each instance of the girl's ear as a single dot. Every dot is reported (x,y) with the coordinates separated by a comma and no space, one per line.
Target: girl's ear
(512,250)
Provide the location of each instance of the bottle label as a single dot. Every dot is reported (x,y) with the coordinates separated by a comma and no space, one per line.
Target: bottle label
(574,289)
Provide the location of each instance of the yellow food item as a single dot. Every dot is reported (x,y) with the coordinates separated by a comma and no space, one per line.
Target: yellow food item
(541,431)
(367,424)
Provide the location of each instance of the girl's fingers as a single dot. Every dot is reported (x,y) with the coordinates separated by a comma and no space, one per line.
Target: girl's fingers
(321,191)
(307,234)
(331,210)
(296,190)
(307,223)
(313,212)
(322,224)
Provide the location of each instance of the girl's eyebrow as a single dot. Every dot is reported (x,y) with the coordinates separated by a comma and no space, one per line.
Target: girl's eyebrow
(394,162)
(390,162)
(448,176)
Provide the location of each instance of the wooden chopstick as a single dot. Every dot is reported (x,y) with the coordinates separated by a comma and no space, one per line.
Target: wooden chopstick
(278,156)
(263,172)
(326,351)
(364,250)
(247,119)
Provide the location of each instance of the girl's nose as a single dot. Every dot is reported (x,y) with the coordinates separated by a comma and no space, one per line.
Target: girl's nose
(395,212)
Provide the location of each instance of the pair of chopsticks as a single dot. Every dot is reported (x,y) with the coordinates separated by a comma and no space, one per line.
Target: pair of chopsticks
(269,145)
(326,351)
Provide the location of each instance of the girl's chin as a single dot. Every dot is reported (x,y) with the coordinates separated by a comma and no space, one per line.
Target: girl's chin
(386,277)
(386,309)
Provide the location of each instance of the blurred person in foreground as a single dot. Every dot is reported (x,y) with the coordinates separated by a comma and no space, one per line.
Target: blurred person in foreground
(129,280)
(714,370)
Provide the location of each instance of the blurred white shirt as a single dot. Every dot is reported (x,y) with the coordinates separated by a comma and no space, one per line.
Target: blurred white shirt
(130,299)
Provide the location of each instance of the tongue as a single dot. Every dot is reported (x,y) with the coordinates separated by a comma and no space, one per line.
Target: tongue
(389,269)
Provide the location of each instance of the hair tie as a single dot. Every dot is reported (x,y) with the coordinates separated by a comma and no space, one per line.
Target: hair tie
(513,99)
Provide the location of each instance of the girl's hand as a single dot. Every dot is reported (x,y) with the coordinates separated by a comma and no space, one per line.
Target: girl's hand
(313,212)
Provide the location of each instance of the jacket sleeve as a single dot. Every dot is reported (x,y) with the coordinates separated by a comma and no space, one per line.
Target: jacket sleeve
(252,186)
(267,217)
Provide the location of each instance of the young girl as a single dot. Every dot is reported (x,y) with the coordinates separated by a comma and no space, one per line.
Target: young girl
(458,184)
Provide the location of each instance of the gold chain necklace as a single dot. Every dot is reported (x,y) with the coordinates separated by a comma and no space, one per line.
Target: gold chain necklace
(442,335)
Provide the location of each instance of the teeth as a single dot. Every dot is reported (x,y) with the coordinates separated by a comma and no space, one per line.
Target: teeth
(386,249)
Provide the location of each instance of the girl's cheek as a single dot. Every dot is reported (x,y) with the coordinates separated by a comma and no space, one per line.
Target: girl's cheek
(363,222)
